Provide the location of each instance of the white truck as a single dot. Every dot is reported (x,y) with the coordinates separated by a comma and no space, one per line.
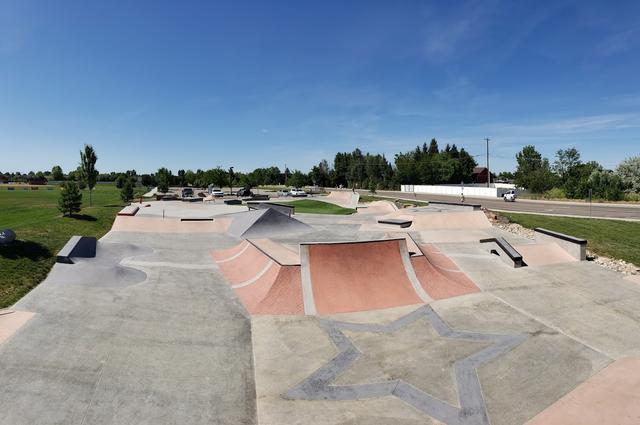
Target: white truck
(510,196)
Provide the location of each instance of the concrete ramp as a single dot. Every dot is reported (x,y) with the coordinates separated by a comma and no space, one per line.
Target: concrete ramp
(357,276)
(542,254)
(264,223)
(151,193)
(339,277)
(608,397)
(377,208)
(439,276)
(435,221)
(11,321)
(343,198)
(264,275)
(450,220)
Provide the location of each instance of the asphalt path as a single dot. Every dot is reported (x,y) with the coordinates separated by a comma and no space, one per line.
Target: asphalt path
(577,209)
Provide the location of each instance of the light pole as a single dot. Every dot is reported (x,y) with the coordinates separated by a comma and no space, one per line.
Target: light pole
(231,175)
(488,169)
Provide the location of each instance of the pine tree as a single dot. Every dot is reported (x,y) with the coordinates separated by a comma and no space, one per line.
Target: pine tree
(70,198)
(126,193)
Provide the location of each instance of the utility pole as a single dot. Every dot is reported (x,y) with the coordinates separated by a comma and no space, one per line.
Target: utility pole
(488,169)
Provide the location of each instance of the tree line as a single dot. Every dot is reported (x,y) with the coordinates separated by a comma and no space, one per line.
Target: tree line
(569,177)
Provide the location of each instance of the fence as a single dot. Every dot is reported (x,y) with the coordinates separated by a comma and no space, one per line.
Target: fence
(456,190)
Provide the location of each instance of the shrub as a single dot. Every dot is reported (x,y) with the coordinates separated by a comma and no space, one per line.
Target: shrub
(372,187)
(555,193)
(632,197)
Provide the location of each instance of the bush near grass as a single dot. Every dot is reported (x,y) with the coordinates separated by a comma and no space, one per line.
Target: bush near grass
(555,193)
(632,197)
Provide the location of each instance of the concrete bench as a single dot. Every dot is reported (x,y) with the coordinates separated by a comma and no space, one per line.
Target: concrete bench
(512,257)
(233,201)
(196,219)
(129,210)
(259,197)
(396,222)
(288,210)
(77,246)
(576,247)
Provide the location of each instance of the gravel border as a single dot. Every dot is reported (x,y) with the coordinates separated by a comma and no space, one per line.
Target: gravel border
(606,262)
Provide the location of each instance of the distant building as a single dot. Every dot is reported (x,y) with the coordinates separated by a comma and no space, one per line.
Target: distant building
(37,181)
(479,174)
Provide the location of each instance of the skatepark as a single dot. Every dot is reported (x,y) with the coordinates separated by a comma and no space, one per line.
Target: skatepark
(197,313)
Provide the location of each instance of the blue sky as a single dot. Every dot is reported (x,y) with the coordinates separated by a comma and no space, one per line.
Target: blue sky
(201,84)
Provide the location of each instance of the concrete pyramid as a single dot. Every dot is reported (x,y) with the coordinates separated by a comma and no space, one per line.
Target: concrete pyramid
(264,223)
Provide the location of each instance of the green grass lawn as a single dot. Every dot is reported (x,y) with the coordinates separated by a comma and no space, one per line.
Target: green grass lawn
(612,238)
(311,206)
(42,231)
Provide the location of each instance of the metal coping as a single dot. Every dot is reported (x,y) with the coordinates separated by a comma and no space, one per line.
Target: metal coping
(396,222)
(275,260)
(460,204)
(506,247)
(562,236)
(352,242)
(253,203)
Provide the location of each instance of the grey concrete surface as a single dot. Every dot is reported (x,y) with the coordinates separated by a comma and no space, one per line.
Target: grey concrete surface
(177,209)
(469,408)
(151,345)
(149,332)
(622,211)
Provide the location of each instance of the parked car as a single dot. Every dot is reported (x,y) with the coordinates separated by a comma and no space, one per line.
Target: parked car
(510,196)
(298,192)
(215,192)
(187,192)
(284,192)
(244,192)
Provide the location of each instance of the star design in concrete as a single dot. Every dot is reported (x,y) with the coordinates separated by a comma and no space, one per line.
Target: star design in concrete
(471,409)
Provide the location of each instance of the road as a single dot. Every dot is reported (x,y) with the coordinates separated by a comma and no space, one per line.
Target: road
(622,211)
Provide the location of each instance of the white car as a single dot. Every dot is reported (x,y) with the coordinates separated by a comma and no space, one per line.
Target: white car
(216,193)
(509,196)
(297,192)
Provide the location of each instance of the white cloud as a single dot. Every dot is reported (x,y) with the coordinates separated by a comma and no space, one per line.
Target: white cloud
(619,42)
(586,124)
(445,35)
